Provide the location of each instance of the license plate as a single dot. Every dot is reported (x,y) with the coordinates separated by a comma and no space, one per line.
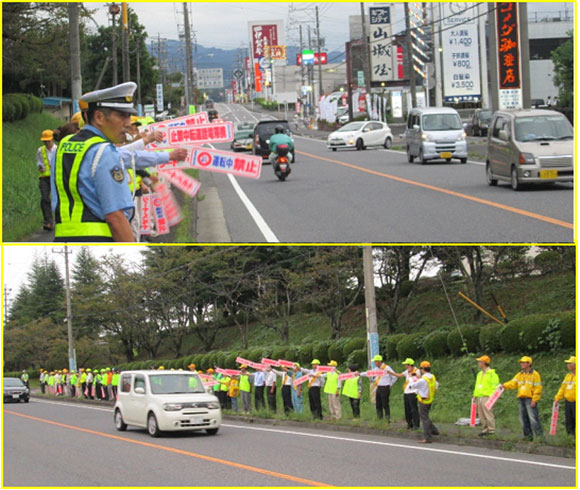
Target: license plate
(196,420)
(446,154)
(15,396)
(248,147)
(548,174)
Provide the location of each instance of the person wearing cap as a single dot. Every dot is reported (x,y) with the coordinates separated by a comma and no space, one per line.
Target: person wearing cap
(259,387)
(409,395)
(297,398)
(425,383)
(44,156)
(529,385)
(383,384)
(485,384)
(567,391)
(352,389)
(245,389)
(191,367)
(90,195)
(286,389)
(270,383)
(42,382)
(24,378)
(234,392)
(332,388)
(314,384)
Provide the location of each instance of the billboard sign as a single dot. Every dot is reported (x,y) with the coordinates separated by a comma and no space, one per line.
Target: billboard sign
(264,34)
(508,55)
(381,48)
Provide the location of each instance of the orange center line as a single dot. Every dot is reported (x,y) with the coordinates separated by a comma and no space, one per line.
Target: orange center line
(275,474)
(504,207)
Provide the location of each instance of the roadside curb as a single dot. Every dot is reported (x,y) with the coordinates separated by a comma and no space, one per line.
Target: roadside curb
(509,446)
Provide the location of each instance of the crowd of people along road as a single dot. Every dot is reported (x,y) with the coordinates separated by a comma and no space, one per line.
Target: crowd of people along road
(419,389)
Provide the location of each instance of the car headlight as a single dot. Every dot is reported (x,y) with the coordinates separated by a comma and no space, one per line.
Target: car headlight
(172,407)
(427,137)
(462,136)
(351,141)
(213,405)
(526,159)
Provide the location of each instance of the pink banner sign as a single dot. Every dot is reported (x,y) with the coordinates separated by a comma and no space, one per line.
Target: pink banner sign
(554,422)
(241,360)
(199,135)
(161,223)
(212,382)
(146,214)
(494,397)
(302,379)
(270,362)
(182,181)
(325,369)
(257,365)
(374,372)
(221,371)
(344,376)
(473,413)
(206,376)
(191,120)
(284,363)
(233,372)
(172,209)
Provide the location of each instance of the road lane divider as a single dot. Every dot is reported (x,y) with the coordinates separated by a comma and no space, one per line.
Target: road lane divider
(449,192)
(275,474)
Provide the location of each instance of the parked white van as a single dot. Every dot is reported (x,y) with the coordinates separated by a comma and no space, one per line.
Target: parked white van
(435,133)
(165,401)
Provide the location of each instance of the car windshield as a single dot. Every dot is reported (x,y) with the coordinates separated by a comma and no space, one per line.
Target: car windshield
(355,126)
(265,130)
(341,111)
(485,115)
(542,128)
(243,135)
(12,382)
(167,384)
(441,122)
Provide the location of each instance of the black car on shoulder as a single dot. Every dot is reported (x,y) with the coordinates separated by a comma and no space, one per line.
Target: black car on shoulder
(15,391)
(262,134)
(212,114)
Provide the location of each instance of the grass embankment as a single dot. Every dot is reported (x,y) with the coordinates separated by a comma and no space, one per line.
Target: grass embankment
(453,400)
(21,215)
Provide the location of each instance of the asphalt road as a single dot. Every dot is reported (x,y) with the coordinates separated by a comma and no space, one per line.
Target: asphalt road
(377,196)
(59,444)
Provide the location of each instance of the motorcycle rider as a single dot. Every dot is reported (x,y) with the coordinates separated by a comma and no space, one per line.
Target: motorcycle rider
(280,138)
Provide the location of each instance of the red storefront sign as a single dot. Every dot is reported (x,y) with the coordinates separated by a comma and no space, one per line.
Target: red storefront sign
(323,58)
(508,45)
(262,36)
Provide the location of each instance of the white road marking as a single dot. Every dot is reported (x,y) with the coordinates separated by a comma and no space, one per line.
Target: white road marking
(346,439)
(404,446)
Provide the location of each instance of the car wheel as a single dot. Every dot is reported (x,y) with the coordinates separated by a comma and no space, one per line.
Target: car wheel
(27,400)
(515,181)
(212,432)
(388,143)
(334,149)
(490,180)
(463,160)
(410,158)
(120,425)
(422,158)
(152,427)
(360,144)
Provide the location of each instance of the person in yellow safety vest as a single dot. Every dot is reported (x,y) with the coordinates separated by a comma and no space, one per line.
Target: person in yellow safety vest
(409,395)
(224,385)
(83,381)
(104,384)
(97,384)
(90,198)
(529,385)
(485,384)
(567,391)
(73,384)
(44,156)
(110,384)
(24,378)
(50,382)
(426,386)
(332,389)
(115,382)
(245,389)
(90,383)
(234,392)
(191,367)
(352,388)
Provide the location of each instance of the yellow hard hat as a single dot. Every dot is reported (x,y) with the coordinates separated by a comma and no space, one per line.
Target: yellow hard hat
(425,364)
(409,362)
(160,368)
(333,363)
(378,358)
(77,116)
(47,135)
(572,360)
(526,359)
(315,361)
(485,359)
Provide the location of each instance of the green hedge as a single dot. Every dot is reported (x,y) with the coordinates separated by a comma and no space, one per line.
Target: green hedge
(320,351)
(470,335)
(546,331)
(18,106)
(305,355)
(510,338)
(391,345)
(335,353)
(358,357)
(548,261)
(490,338)
(411,346)
(353,344)
(435,344)
(568,329)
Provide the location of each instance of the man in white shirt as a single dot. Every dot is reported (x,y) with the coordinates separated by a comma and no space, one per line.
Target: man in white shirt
(286,389)
(426,386)
(270,383)
(409,394)
(259,385)
(383,385)
(316,382)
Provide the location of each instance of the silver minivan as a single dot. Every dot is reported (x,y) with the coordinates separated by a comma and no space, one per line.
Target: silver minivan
(435,133)
(530,147)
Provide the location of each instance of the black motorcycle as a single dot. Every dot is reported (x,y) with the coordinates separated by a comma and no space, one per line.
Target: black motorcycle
(282,162)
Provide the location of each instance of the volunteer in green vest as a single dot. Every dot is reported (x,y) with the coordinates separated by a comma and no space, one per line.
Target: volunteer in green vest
(115,382)
(332,389)
(24,378)
(104,384)
(73,384)
(90,196)
(44,156)
(245,389)
(352,388)
(224,387)
(426,386)
(485,384)
(97,384)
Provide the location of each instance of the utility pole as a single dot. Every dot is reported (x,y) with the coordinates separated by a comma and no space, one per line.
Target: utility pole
(71,349)
(114,10)
(436,19)
(410,58)
(310,78)
(75,54)
(188,58)
(524,54)
(492,67)
(301,68)
(366,57)
(125,43)
(483,56)
(370,309)
(320,89)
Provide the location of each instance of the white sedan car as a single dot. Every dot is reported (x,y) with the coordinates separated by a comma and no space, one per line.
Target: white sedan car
(361,135)
(166,401)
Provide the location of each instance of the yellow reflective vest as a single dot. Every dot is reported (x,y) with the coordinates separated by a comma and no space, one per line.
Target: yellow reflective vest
(529,385)
(567,389)
(432,384)
(46,161)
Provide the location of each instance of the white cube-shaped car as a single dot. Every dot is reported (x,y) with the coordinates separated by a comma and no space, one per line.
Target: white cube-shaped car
(165,401)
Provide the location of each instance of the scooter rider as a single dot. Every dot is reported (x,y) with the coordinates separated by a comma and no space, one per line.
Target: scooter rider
(280,138)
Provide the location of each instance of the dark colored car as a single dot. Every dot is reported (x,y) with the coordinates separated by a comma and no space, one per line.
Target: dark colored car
(209,104)
(262,134)
(15,391)
(212,114)
(480,122)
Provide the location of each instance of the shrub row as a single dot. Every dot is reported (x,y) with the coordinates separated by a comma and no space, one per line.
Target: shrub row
(18,106)
(529,334)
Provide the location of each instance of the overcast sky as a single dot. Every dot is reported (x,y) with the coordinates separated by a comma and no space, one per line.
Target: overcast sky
(225,25)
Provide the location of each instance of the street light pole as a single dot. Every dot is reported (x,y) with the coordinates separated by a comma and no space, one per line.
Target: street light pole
(370,308)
